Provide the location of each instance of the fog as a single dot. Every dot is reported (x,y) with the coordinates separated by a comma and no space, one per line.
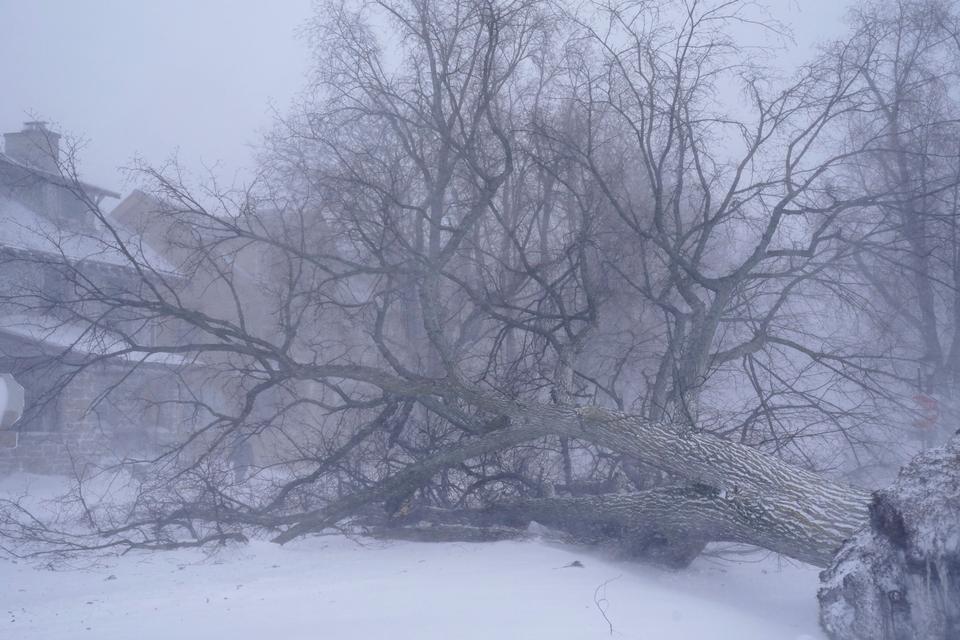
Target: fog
(152,78)
(202,80)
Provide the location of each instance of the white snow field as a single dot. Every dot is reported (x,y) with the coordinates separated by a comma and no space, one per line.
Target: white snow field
(334,587)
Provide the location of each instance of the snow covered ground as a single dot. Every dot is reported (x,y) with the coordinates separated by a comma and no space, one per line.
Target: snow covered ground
(334,587)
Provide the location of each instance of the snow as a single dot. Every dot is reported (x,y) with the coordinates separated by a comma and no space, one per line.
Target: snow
(336,587)
(79,338)
(24,228)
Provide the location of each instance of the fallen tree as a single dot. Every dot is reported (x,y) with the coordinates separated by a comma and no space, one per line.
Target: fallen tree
(740,493)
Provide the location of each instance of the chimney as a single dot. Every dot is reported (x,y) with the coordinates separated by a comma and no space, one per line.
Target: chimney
(35,146)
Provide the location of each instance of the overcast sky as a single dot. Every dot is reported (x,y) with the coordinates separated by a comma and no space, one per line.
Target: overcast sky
(197,77)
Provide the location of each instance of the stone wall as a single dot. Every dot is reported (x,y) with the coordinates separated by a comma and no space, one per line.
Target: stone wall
(64,428)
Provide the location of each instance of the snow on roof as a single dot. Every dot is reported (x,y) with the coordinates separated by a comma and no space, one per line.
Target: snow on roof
(24,228)
(78,337)
(58,179)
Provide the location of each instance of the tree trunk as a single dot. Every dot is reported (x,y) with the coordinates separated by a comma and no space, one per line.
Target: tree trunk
(667,525)
(796,512)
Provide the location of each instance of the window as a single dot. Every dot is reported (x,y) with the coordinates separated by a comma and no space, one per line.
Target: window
(11,400)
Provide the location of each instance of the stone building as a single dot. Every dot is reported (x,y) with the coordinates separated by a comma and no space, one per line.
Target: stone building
(80,406)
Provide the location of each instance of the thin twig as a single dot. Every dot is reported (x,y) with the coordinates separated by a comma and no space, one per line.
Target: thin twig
(601,600)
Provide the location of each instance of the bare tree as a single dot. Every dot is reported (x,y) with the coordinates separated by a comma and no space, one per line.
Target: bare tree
(907,244)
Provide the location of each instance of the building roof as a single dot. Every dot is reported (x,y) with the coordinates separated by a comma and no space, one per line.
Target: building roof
(80,338)
(57,179)
(26,229)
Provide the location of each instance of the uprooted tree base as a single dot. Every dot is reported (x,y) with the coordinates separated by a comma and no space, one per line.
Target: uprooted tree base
(899,578)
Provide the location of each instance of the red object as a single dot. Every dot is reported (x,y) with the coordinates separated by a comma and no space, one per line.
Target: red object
(929,409)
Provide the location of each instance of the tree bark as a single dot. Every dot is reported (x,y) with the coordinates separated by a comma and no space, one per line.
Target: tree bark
(795,512)
(667,525)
